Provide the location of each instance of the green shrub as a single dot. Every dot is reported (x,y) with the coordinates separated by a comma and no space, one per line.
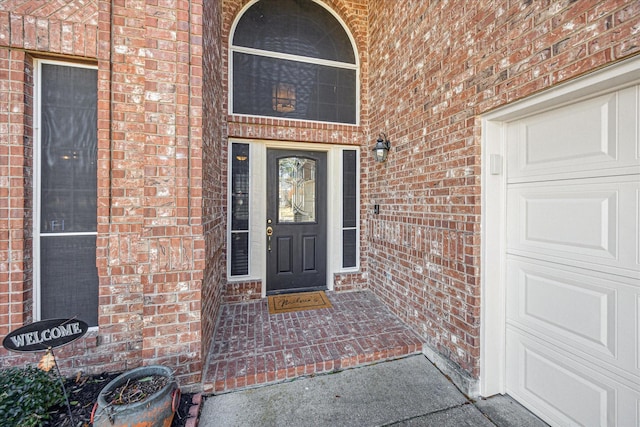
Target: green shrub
(26,394)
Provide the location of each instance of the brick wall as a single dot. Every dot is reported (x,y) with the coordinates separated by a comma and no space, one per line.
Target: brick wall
(213,174)
(28,28)
(15,164)
(152,273)
(150,250)
(439,65)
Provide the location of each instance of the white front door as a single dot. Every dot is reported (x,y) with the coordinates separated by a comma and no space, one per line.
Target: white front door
(572,263)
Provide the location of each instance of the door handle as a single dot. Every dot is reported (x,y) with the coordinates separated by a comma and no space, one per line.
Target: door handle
(269,234)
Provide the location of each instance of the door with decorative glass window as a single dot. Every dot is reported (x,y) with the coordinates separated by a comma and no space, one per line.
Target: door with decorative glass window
(296,221)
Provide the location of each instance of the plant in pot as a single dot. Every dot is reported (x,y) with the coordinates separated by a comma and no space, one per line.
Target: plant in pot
(146,397)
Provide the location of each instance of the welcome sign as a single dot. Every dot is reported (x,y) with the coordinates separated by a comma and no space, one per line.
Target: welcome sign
(45,334)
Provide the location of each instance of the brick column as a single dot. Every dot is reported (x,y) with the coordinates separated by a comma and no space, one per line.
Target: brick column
(16,146)
(155,256)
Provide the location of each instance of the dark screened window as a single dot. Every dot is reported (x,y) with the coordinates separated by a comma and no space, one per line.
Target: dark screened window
(239,209)
(69,278)
(296,27)
(349,209)
(68,193)
(68,149)
(293,59)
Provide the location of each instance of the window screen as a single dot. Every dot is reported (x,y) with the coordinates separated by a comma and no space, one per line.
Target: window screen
(68,149)
(265,86)
(296,27)
(349,209)
(68,277)
(317,80)
(239,209)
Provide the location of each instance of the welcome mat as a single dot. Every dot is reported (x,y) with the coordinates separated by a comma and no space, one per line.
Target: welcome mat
(297,302)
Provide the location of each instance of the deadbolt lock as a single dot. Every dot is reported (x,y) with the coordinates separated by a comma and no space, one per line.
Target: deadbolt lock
(269,231)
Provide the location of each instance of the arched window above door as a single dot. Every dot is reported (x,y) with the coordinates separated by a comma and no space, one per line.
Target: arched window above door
(293,59)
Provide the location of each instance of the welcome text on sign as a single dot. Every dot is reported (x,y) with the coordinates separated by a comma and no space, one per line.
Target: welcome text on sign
(37,337)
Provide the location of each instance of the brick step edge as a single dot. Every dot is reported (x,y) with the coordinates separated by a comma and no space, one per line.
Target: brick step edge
(194,411)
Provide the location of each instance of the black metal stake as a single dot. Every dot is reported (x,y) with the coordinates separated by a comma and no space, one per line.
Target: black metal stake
(64,390)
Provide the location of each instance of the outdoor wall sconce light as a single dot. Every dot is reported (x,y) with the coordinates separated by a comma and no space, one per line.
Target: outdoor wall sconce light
(381,149)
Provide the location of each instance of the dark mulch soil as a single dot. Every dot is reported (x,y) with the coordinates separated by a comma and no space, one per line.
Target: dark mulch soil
(83,393)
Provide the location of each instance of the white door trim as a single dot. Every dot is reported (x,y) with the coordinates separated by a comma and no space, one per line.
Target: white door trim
(493,247)
(258,211)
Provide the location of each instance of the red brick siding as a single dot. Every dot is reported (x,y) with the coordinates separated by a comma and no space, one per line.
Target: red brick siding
(428,70)
(83,12)
(150,250)
(156,251)
(242,291)
(26,28)
(213,201)
(16,144)
(439,65)
(50,34)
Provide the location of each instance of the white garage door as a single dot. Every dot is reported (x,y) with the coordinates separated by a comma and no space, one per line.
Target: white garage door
(573,261)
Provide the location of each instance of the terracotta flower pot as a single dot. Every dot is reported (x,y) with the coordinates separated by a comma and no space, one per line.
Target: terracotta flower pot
(156,410)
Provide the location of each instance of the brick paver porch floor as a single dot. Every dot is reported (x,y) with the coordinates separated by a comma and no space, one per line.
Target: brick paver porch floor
(252,347)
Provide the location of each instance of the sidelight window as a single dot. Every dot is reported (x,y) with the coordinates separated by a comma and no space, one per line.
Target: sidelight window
(349,209)
(240,204)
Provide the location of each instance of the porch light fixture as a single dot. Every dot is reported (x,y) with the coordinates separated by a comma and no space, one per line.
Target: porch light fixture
(381,149)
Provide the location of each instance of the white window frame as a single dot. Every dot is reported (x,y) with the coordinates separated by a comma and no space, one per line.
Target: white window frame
(37,180)
(297,58)
(230,232)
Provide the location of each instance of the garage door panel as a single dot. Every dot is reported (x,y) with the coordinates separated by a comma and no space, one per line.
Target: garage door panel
(573,394)
(548,137)
(578,221)
(544,146)
(545,297)
(560,219)
(586,313)
(564,391)
(629,131)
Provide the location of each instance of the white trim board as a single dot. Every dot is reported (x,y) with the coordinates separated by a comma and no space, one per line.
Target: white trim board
(258,210)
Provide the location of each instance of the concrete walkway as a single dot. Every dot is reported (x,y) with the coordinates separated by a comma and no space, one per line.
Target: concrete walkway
(404,392)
